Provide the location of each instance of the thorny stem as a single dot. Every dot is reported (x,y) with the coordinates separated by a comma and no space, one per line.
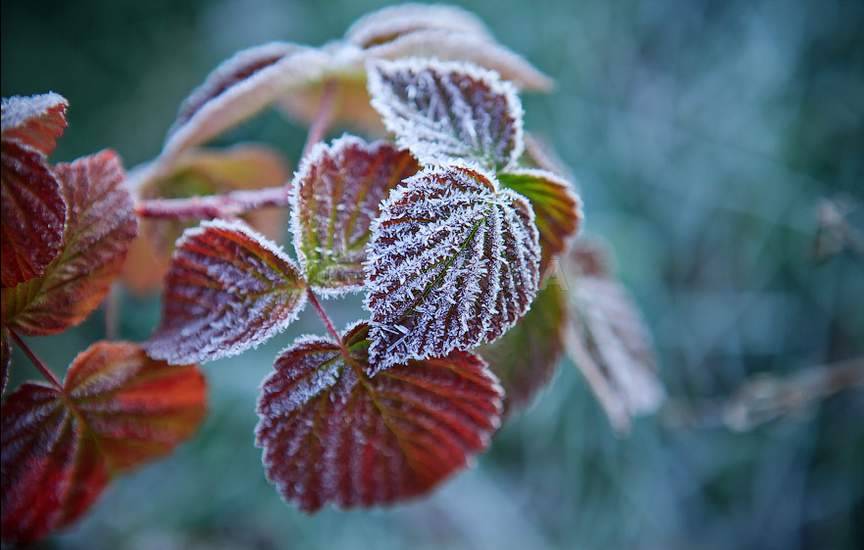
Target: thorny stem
(310,294)
(42,367)
(235,203)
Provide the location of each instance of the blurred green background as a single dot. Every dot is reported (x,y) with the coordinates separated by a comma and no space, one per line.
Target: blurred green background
(703,136)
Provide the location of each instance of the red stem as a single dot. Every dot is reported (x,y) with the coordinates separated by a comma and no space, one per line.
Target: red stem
(313,299)
(323,117)
(42,367)
(229,205)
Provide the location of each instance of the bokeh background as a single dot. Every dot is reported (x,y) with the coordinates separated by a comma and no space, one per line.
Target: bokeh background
(703,136)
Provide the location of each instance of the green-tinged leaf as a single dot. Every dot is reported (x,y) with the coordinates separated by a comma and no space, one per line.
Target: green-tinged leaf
(527,356)
(557,210)
(453,263)
(337,194)
(99,228)
(331,434)
(228,289)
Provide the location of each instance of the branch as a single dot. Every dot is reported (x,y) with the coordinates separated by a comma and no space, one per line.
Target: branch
(229,205)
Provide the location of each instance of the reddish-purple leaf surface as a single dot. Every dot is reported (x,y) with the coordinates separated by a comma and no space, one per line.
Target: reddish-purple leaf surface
(444,111)
(331,434)
(33,214)
(34,122)
(453,263)
(557,210)
(117,410)
(5,358)
(527,356)
(100,226)
(337,194)
(607,339)
(228,289)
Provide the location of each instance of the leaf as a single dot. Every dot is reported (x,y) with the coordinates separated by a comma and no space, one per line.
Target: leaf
(199,172)
(100,225)
(526,357)
(117,410)
(392,22)
(237,89)
(448,111)
(34,122)
(337,193)
(228,289)
(453,263)
(539,153)
(557,210)
(33,213)
(5,358)
(331,434)
(608,341)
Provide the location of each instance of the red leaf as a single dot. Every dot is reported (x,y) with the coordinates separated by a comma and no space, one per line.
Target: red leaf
(337,194)
(452,264)
(117,410)
(228,289)
(35,122)
(100,226)
(527,356)
(33,213)
(331,434)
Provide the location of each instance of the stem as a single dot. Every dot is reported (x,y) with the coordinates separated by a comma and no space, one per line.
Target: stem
(322,119)
(46,372)
(112,312)
(323,314)
(229,205)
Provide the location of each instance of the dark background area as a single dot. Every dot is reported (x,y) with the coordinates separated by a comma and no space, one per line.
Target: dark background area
(703,136)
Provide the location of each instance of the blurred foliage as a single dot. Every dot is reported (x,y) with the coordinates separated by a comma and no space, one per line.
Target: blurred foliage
(703,136)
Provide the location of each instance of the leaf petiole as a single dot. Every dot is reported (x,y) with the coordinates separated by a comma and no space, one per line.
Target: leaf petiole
(40,366)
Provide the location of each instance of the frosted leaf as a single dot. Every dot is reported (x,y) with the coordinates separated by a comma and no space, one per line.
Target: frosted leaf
(5,358)
(557,210)
(331,434)
(100,226)
(200,172)
(33,214)
(228,289)
(337,194)
(607,339)
(448,111)
(393,22)
(117,410)
(34,122)
(527,356)
(239,88)
(453,263)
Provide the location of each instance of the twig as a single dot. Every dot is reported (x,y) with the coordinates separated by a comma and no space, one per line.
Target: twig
(42,367)
(229,205)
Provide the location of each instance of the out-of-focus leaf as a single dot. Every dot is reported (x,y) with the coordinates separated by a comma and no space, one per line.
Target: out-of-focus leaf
(117,410)
(393,22)
(453,263)
(331,434)
(539,153)
(33,213)
(200,172)
(527,356)
(228,289)
(100,225)
(239,88)
(448,111)
(557,210)
(34,122)
(607,339)
(5,358)
(337,194)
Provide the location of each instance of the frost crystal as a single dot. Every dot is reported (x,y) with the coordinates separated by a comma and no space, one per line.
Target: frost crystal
(331,434)
(445,111)
(337,193)
(453,263)
(228,289)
